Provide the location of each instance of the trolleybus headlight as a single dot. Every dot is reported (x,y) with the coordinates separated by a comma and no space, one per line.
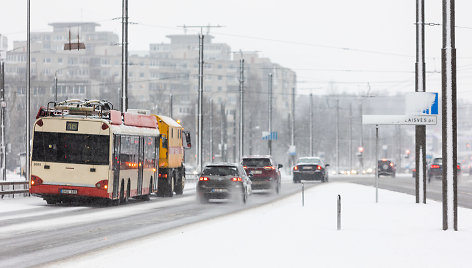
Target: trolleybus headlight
(102,184)
(104,126)
(40,122)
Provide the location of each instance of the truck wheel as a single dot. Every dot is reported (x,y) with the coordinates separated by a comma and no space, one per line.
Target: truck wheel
(169,185)
(179,187)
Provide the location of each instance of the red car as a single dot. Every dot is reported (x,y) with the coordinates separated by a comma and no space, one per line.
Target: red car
(265,172)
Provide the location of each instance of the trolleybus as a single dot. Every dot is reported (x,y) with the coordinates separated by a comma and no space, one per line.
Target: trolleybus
(84,150)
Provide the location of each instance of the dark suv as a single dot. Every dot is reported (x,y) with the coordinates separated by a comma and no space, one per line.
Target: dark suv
(386,168)
(265,173)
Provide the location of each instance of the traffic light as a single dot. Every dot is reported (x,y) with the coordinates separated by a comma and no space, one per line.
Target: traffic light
(360,151)
(407,153)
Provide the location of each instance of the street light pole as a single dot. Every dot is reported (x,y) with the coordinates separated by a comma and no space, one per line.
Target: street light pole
(311,124)
(449,118)
(269,141)
(200,103)
(55,87)
(420,131)
(28,86)
(171,104)
(241,110)
(124,57)
(211,130)
(3,104)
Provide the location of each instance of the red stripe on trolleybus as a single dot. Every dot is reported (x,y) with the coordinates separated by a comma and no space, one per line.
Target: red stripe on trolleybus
(81,191)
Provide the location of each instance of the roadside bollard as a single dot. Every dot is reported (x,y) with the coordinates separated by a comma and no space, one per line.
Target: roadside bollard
(339,212)
(303,194)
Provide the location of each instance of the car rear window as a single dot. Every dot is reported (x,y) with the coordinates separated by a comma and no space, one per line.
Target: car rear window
(256,162)
(313,161)
(220,171)
(437,161)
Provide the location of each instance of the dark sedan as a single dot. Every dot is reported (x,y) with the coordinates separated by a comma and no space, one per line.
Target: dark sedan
(386,168)
(310,168)
(434,169)
(223,181)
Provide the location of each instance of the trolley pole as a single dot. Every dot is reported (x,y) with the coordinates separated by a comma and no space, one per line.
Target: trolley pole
(420,131)
(269,141)
(124,57)
(28,86)
(241,110)
(449,119)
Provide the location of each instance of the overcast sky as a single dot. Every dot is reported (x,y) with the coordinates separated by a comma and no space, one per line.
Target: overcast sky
(334,45)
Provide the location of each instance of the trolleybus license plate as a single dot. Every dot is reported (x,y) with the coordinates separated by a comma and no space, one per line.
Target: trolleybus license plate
(68,191)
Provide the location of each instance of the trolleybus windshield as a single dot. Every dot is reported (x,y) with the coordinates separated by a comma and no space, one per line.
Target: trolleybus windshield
(71,148)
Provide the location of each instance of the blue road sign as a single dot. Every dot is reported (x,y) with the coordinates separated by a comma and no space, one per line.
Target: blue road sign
(272,136)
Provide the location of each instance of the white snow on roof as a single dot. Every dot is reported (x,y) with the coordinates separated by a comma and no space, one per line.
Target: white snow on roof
(130,130)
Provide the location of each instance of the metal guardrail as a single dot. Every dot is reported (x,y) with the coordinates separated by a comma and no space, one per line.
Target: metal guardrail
(11,190)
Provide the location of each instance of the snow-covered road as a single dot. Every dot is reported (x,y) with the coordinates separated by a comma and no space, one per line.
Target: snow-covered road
(34,233)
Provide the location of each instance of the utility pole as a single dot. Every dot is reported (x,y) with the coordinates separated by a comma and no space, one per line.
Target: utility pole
(400,151)
(4,105)
(234,137)
(337,136)
(124,57)
(350,137)
(269,141)
(171,104)
(420,131)
(28,86)
(211,130)
(311,124)
(223,132)
(251,144)
(200,103)
(449,119)
(241,109)
(292,140)
(200,91)
(55,87)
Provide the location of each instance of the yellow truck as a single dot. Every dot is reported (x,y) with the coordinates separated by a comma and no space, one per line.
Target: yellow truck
(171,156)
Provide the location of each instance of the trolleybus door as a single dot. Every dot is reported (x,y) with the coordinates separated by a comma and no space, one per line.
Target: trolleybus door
(116,164)
(140,165)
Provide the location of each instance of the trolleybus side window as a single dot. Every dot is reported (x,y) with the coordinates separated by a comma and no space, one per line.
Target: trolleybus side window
(129,152)
(149,152)
(71,148)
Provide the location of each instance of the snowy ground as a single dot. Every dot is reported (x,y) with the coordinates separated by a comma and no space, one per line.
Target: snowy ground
(393,233)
